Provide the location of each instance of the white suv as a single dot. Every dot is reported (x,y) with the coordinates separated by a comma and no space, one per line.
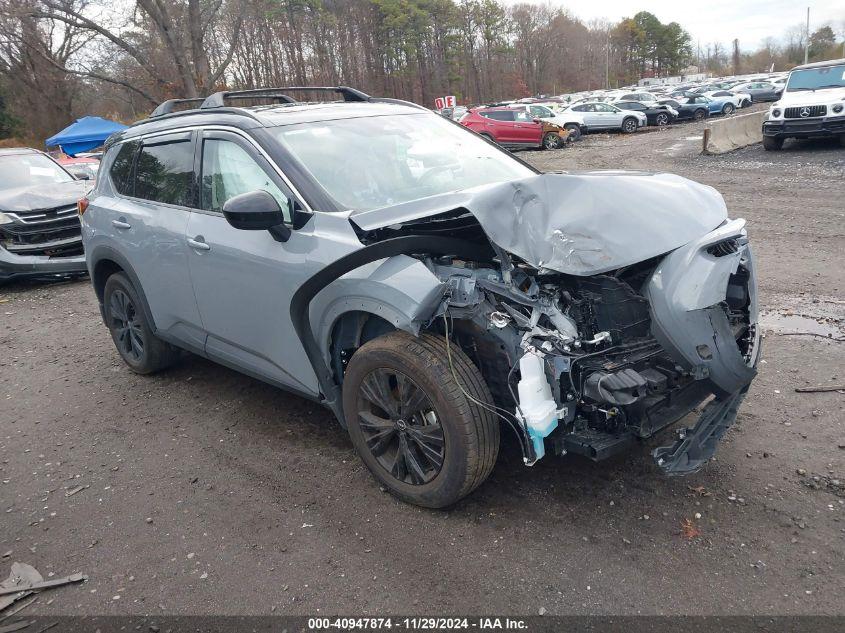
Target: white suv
(812,105)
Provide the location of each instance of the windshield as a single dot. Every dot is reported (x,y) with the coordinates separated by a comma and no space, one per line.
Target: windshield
(30,170)
(368,163)
(816,78)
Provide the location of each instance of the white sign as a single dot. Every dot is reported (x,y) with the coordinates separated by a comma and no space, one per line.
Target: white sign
(451,102)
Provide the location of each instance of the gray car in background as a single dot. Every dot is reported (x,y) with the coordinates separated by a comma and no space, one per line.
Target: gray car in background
(759,90)
(423,284)
(40,236)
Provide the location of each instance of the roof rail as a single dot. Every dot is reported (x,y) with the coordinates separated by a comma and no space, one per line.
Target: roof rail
(218,98)
(167,106)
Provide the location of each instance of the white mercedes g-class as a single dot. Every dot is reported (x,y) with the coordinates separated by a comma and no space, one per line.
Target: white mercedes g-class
(812,105)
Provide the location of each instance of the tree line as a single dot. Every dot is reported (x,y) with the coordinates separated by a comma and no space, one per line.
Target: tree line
(60,59)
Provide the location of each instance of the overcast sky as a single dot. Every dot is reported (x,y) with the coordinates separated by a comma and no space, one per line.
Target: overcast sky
(720,20)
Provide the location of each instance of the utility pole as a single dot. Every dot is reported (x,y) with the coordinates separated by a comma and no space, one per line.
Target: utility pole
(807,37)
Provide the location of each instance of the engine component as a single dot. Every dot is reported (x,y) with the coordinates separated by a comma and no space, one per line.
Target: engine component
(537,407)
(622,387)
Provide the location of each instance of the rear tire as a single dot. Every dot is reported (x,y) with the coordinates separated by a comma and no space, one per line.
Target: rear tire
(132,334)
(629,125)
(699,114)
(412,423)
(574,131)
(661,120)
(773,143)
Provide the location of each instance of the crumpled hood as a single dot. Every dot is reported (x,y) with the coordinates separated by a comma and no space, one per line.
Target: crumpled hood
(43,196)
(578,223)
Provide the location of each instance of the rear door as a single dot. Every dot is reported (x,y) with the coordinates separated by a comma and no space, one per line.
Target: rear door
(502,125)
(146,220)
(591,118)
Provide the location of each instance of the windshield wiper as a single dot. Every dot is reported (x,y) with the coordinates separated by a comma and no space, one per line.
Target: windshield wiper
(831,86)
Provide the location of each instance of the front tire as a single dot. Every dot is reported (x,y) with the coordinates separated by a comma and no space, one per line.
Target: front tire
(661,120)
(132,334)
(417,428)
(699,114)
(772,143)
(728,109)
(629,125)
(552,140)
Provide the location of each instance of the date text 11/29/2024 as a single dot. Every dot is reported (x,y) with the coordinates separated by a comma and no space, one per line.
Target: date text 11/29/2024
(417,624)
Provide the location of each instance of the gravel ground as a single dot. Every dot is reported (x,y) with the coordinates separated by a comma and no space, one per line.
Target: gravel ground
(207,492)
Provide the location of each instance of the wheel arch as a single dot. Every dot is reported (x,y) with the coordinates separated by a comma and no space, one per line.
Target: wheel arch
(104,261)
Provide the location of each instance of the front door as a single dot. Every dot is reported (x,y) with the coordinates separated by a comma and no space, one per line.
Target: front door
(526,131)
(244,280)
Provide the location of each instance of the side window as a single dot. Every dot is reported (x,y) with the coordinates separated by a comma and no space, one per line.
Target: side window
(228,170)
(121,168)
(522,116)
(165,173)
(499,115)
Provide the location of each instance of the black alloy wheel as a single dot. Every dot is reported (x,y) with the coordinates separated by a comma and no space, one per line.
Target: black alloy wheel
(400,426)
(126,326)
(133,336)
(662,119)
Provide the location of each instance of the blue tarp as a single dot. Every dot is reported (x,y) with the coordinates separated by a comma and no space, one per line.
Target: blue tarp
(84,135)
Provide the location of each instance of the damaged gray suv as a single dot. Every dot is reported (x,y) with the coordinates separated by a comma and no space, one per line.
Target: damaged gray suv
(426,286)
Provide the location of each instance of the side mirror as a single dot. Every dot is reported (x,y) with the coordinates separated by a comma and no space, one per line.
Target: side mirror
(257,211)
(536,120)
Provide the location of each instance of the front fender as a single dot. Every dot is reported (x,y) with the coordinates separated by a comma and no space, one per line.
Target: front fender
(400,289)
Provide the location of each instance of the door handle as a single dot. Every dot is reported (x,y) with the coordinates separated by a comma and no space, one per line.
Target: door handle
(121,224)
(198,244)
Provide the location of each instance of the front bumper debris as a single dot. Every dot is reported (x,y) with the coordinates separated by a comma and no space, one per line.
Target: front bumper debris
(697,445)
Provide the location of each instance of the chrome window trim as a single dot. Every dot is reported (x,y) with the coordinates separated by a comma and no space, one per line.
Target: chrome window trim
(212,128)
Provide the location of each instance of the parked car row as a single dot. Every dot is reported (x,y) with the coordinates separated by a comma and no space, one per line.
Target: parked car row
(552,121)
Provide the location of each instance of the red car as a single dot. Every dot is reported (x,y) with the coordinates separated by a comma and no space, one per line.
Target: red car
(81,167)
(514,128)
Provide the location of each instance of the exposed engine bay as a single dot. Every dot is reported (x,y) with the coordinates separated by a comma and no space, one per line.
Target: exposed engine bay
(586,346)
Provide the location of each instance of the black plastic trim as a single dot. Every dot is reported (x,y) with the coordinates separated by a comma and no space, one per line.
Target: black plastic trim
(301,300)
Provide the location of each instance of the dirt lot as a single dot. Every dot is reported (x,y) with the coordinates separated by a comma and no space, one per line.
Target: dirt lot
(208,492)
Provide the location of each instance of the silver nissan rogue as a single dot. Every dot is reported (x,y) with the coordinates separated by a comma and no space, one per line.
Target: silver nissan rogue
(425,285)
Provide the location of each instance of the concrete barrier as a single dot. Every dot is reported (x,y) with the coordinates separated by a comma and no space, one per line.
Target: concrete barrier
(732,132)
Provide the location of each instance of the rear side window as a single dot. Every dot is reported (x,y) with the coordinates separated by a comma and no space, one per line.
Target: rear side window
(499,115)
(165,173)
(121,169)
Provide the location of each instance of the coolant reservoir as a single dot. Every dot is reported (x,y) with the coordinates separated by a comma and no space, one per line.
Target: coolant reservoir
(538,407)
